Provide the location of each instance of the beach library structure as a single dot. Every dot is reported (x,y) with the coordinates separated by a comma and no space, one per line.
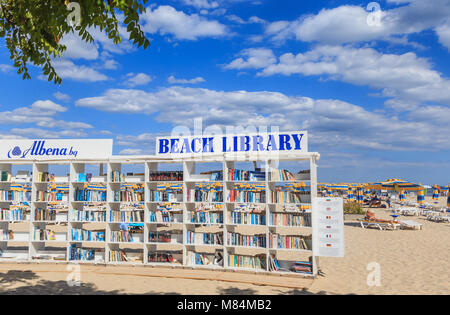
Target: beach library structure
(245,202)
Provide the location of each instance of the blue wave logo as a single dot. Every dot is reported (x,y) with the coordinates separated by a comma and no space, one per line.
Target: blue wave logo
(15,152)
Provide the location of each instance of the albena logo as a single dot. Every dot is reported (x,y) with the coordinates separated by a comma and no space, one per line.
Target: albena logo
(38,149)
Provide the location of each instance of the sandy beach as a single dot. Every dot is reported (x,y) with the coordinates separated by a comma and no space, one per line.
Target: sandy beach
(410,261)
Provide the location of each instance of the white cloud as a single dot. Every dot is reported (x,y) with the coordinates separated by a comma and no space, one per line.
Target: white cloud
(252,20)
(173,80)
(443,32)
(61,96)
(137,79)
(131,151)
(202,4)
(328,121)
(253,58)
(78,48)
(46,134)
(405,76)
(66,69)
(166,20)
(5,68)
(41,113)
(347,23)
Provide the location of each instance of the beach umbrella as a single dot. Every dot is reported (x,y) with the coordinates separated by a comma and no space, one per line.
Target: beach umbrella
(350,195)
(435,192)
(420,197)
(401,195)
(448,197)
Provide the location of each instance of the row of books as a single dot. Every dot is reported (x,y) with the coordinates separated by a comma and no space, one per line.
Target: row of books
(127,216)
(166,176)
(12,215)
(89,195)
(121,236)
(197,195)
(84,177)
(165,196)
(288,219)
(236,239)
(6,235)
(129,195)
(246,196)
(242,175)
(118,256)
(280,175)
(243,261)
(82,235)
(5,176)
(89,215)
(50,196)
(44,177)
(286,197)
(204,238)
(205,217)
(43,234)
(288,241)
(247,218)
(81,254)
(159,237)
(117,176)
(161,257)
(11,195)
(41,214)
(215,259)
(164,216)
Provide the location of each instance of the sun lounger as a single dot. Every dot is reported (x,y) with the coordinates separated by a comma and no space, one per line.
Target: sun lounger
(437,217)
(371,221)
(408,224)
(379,225)
(409,211)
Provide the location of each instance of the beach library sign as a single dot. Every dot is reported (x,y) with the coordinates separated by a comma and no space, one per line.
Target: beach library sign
(56,149)
(252,144)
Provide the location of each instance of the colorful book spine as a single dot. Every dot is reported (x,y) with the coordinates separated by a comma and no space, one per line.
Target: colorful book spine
(288,219)
(89,216)
(288,242)
(249,262)
(205,217)
(236,239)
(89,195)
(247,218)
(12,215)
(81,235)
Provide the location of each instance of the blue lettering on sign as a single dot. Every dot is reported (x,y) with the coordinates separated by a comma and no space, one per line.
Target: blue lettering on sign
(226,144)
(38,148)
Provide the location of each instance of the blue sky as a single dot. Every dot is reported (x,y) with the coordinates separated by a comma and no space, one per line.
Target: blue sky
(374,97)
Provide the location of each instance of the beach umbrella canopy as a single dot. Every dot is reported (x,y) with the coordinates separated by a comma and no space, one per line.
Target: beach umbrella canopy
(395,185)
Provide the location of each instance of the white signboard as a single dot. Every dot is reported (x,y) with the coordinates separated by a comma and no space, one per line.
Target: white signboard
(56,149)
(328,227)
(272,143)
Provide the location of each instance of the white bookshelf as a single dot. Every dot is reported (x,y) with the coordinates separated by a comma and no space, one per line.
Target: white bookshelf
(24,246)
